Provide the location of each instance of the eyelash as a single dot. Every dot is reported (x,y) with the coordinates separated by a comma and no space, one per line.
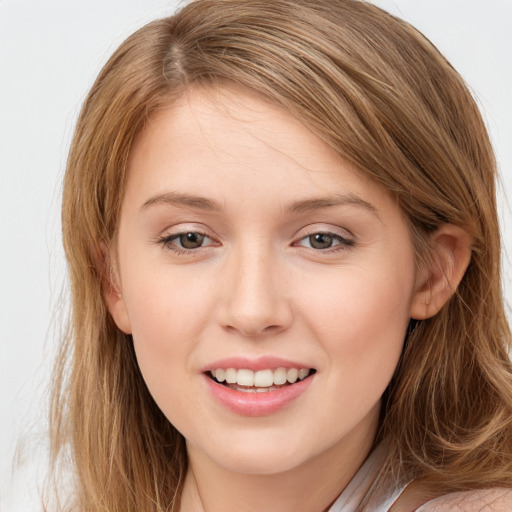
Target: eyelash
(167,242)
(343,243)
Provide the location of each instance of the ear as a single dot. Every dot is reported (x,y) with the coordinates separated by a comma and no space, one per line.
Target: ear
(451,254)
(112,291)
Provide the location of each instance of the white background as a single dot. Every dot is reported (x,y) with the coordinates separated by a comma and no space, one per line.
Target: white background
(50,53)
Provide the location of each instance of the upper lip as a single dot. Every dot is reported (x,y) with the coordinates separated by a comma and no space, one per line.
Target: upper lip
(255,364)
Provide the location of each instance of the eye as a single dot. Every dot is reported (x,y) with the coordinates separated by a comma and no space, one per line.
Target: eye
(325,240)
(186,241)
(191,240)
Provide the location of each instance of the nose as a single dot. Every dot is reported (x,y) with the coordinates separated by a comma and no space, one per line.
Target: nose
(255,300)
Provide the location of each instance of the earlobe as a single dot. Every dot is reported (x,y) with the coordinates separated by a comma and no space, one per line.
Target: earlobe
(112,292)
(451,254)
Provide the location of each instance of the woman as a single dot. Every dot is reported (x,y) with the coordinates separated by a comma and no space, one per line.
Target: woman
(281,230)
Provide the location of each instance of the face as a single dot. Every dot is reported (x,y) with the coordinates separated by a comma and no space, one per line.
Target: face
(267,284)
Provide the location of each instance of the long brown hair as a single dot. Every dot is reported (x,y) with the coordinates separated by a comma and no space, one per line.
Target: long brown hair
(385,99)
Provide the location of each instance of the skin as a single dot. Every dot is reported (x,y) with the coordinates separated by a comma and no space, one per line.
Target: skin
(257,287)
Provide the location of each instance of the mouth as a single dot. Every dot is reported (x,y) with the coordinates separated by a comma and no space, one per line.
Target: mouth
(261,381)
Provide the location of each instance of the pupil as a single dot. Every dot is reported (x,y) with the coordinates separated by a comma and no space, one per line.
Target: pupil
(191,240)
(321,241)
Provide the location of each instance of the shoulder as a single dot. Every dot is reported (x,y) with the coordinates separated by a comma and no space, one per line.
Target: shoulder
(497,499)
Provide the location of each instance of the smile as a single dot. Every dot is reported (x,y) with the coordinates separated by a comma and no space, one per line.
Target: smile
(261,381)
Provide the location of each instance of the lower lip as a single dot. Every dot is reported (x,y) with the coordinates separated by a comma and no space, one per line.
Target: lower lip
(257,404)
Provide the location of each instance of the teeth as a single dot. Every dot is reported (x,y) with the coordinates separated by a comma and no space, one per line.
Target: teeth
(245,378)
(303,373)
(255,390)
(262,379)
(231,375)
(280,376)
(292,375)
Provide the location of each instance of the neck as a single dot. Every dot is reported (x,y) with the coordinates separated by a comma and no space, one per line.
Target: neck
(311,486)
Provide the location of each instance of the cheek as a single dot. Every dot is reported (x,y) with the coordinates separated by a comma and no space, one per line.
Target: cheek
(359,300)
(165,306)
(362,321)
(167,315)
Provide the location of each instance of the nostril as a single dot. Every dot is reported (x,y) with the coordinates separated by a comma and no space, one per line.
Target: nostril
(253,331)
(271,328)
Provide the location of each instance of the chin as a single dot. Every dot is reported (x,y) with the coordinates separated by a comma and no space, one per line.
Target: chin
(259,454)
(260,464)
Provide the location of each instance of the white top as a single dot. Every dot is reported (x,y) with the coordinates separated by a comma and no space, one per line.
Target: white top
(497,499)
(358,488)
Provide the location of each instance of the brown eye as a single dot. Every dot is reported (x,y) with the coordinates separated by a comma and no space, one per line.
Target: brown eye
(324,240)
(191,240)
(186,241)
(321,240)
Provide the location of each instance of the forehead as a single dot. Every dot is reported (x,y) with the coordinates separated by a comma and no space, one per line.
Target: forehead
(226,120)
(213,134)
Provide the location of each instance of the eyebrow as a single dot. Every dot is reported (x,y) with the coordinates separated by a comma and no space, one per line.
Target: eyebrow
(308,205)
(302,206)
(177,199)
